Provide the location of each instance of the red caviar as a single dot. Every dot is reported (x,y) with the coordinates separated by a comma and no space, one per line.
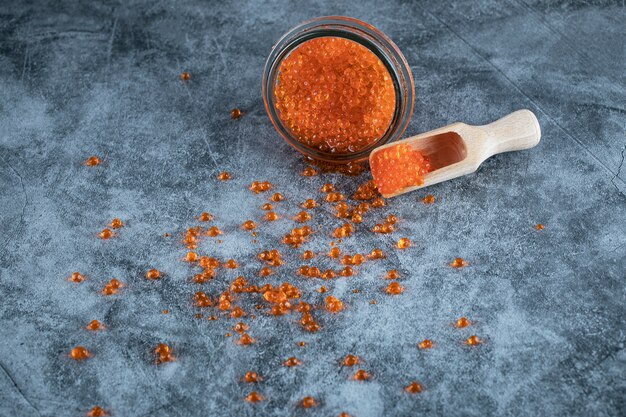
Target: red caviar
(393,274)
(205,217)
(310,172)
(397,167)
(185,76)
(254,397)
(459,263)
(270,216)
(335,95)
(404,243)
(97,411)
(80,353)
(351,360)
(164,353)
(333,304)
(93,161)
(76,277)
(235,113)
(429,199)
(426,344)
(473,340)
(116,223)
(112,287)
(308,402)
(539,226)
(153,274)
(94,325)
(361,375)
(462,322)
(105,234)
(291,362)
(252,377)
(309,204)
(394,288)
(414,388)
(260,186)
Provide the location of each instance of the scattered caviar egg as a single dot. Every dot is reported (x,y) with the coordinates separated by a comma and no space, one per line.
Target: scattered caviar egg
(191,257)
(394,288)
(356,218)
(97,411)
(346,272)
(328,188)
(334,197)
(429,199)
(252,377)
(391,219)
(267,207)
(154,273)
(374,302)
(93,161)
(166,311)
(425,344)
(308,402)
(539,226)
(116,223)
(309,204)
(275,296)
(254,397)
(235,113)
(237,312)
(393,274)
(76,277)
(271,216)
(245,340)
(249,225)
(276,197)
(266,271)
(164,353)
(231,264)
(260,186)
(205,217)
(335,252)
(333,304)
(95,325)
(356,291)
(307,254)
(459,263)
(376,254)
(105,234)
(404,243)
(335,95)
(293,361)
(302,217)
(80,353)
(112,287)
(241,327)
(379,202)
(322,289)
(344,414)
(351,360)
(185,76)
(462,322)
(310,172)
(366,191)
(361,375)
(214,231)
(202,300)
(302,344)
(473,340)
(397,167)
(414,388)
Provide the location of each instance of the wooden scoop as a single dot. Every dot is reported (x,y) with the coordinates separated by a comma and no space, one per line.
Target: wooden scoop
(459,149)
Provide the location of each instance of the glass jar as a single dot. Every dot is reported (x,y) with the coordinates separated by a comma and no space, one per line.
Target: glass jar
(364,34)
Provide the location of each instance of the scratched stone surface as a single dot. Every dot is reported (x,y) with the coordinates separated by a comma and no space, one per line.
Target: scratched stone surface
(83,78)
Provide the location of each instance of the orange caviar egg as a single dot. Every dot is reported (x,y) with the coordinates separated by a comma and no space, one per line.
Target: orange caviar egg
(307,254)
(308,402)
(76,277)
(335,95)
(276,197)
(185,76)
(270,216)
(154,273)
(112,287)
(165,311)
(328,188)
(237,313)
(539,226)
(97,412)
(214,231)
(310,172)
(393,274)
(245,340)
(80,353)
(462,322)
(356,218)
(116,223)
(334,197)
(459,263)
(202,300)
(231,264)
(425,344)
(105,234)
(93,161)
(275,296)
(302,217)
(394,288)
(366,191)
(344,415)
(334,252)
(260,186)
(376,254)
(191,257)
(351,360)
(391,219)
(346,272)
(252,377)
(404,243)
(241,327)
(429,199)
(254,397)
(361,375)
(379,202)
(302,344)
(267,206)
(266,271)
(397,167)
(94,325)
(249,225)
(205,217)
(414,388)
(473,340)
(164,353)
(203,277)
(309,204)
(235,113)
(333,305)
(293,361)
(322,289)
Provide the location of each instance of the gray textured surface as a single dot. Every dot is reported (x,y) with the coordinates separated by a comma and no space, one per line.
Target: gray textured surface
(78,78)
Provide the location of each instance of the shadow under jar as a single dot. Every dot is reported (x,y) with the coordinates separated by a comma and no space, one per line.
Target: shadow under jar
(335,88)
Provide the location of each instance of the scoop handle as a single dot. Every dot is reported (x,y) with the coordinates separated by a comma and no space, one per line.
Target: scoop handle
(514,132)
